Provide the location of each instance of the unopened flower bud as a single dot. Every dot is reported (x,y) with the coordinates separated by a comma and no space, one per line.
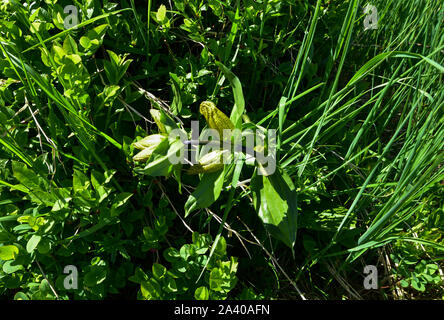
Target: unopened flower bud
(215,118)
(211,162)
(150,141)
(148,145)
(144,155)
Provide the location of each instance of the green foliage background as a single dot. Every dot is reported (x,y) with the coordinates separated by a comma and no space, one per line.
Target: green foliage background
(359,116)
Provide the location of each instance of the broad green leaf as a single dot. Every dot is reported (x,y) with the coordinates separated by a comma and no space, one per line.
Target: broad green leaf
(97,179)
(202,242)
(151,289)
(221,248)
(171,285)
(161,13)
(216,6)
(58,54)
(120,201)
(27,177)
(404,283)
(70,46)
(8,252)
(33,242)
(176,105)
(138,276)
(171,255)
(207,191)
(94,39)
(44,246)
(123,67)
(216,280)
(75,59)
(12,266)
(276,203)
(85,42)
(89,8)
(239,102)
(20,295)
(116,67)
(80,181)
(186,251)
(159,271)
(95,276)
(44,287)
(417,284)
(202,293)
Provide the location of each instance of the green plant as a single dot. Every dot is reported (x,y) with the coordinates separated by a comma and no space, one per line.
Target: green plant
(359,132)
(182,280)
(417,275)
